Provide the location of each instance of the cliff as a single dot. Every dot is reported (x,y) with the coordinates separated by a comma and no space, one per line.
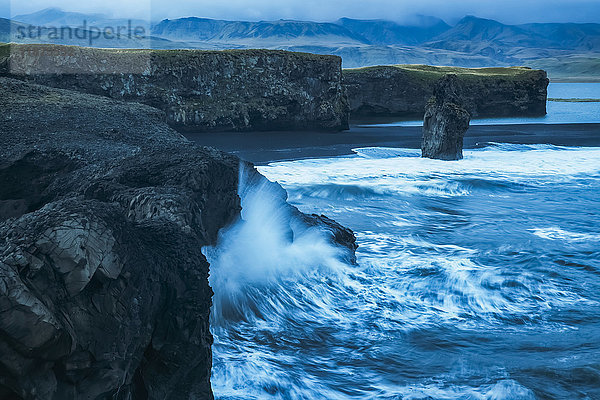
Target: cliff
(403,90)
(235,90)
(104,210)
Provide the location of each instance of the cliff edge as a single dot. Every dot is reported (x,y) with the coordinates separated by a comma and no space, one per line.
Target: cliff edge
(404,90)
(233,90)
(104,210)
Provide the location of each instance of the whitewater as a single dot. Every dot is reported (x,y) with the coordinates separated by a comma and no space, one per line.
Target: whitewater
(475,279)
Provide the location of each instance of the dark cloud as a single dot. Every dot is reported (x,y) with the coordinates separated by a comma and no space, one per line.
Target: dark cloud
(508,11)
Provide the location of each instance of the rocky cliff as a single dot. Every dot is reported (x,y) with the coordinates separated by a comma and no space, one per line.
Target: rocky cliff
(104,209)
(236,90)
(403,90)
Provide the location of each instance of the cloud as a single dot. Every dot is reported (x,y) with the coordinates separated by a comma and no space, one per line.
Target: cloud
(508,11)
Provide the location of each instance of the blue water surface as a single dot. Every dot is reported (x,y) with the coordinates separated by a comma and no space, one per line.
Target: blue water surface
(475,279)
(557,112)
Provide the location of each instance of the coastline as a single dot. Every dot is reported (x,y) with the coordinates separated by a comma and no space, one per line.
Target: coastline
(262,148)
(574,80)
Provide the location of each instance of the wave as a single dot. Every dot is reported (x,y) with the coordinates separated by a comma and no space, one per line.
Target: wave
(267,245)
(505,389)
(437,188)
(440,270)
(341,191)
(274,386)
(556,233)
(522,147)
(431,187)
(386,152)
(390,152)
(399,171)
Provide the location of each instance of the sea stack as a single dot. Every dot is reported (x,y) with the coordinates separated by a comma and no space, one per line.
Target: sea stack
(446,121)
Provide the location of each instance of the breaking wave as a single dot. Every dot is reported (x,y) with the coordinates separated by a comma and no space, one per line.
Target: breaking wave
(476,279)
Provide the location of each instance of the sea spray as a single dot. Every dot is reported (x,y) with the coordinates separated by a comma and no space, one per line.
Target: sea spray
(267,244)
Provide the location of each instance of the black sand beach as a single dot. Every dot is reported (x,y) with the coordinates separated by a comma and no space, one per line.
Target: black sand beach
(265,147)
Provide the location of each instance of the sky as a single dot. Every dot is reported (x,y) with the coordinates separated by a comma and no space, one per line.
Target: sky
(507,11)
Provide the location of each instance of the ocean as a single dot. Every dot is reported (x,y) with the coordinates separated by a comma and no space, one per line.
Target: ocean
(475,279)
(558,112)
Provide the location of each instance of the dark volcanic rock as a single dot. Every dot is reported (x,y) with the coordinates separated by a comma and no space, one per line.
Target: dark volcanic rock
(338,233)
(103,213)
(403,90)
(236,90)
(445,122)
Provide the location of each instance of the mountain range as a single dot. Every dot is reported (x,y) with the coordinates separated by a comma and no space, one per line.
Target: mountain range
(56,17)
(568,50)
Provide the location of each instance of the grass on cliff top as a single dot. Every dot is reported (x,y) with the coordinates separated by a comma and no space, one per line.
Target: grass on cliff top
(5,49)
(242,52)
(429,72)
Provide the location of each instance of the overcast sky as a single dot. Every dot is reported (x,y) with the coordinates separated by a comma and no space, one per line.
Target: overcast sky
(508,11)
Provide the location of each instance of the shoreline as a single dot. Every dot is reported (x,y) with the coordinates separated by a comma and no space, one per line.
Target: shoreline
(262,148)
(574,80)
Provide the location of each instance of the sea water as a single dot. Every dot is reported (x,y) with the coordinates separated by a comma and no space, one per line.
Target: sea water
(476,279)
(558,112)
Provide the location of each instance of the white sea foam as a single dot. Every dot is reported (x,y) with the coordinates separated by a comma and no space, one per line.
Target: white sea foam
(386,152)
(389,170)
(290,319)
(265,246)
(506,389)
(556,233)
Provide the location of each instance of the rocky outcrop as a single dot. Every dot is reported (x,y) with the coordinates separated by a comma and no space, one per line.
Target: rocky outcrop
(338,233)
(404,90)
(104,211)
(235,90)
(445,122)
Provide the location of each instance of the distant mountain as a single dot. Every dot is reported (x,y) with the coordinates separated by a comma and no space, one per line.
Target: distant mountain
(381,32)
(269,32)
(485,36)
(18,32)
(568,36)
(55,17)
(343,32)
(7,28)
(480,29)
(471,35)
(567,50)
